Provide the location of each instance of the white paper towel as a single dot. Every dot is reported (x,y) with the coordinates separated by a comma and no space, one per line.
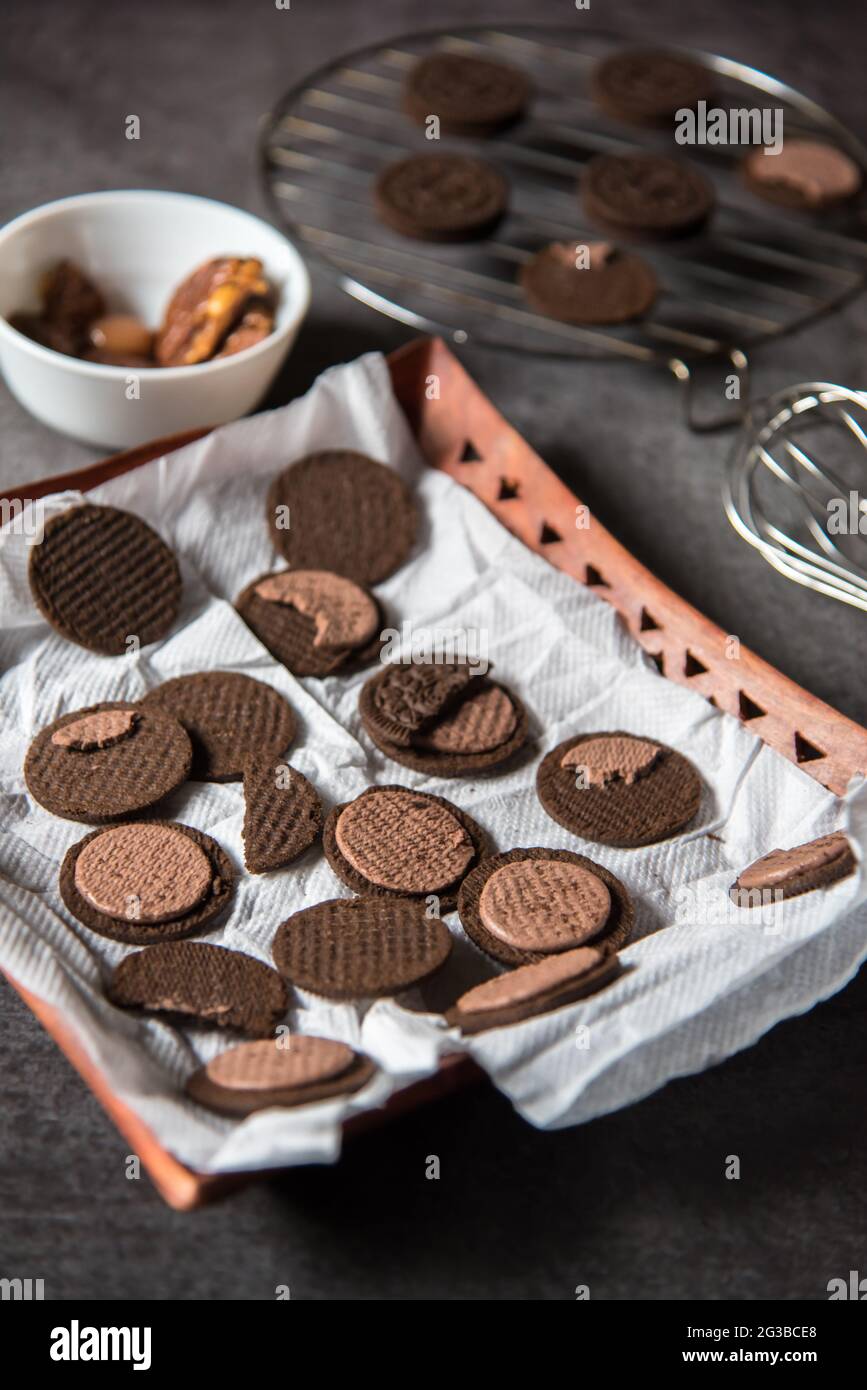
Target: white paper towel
(700,982)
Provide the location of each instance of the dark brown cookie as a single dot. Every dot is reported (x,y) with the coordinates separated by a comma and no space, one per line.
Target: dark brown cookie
(101,576)
(479,724)
(229,718)
(613,934)
(205,307)
(342,511)
(291,635)
(282,814)
(107,762)
(407,696)
(579,282)
(786,873)
(535,989)
(471,96)
(135,881)
(193,980)
(294,1070)
(634,792)
(805,174)
(646,195)
(440,197)
(649,86)
(383,835)
(361,948)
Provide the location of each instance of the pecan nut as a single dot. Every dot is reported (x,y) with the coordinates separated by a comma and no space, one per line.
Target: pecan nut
(206,307)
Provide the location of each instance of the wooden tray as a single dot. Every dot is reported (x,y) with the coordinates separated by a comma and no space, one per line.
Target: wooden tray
(460,432)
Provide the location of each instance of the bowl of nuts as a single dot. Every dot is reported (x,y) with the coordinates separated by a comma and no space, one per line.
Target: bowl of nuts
(129,315)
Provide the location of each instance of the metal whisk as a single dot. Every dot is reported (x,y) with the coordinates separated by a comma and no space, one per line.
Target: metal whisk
(794,487)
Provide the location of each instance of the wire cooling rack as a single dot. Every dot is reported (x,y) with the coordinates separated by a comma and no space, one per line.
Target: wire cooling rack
(757,272)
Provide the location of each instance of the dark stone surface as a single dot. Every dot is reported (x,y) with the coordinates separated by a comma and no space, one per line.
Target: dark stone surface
(636,1205)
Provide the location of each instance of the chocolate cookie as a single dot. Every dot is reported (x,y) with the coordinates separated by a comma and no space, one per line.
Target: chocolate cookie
(146,881)
(107,762)
(360,948)
(588,283)
(648,86)
(471,96)
(805,174)
(313,621)
(405,697)
(101,576)
(342,511)
(229,718)
(294,1070)
(617,789)
(192,980)
(529,904)
(439,719)
(282,814)
(393,842)
(440,197)
(646,195)
(786,873)
(535,989)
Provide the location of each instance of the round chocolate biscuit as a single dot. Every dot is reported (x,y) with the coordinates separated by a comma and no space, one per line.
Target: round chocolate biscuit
(398,840)
(613,934)
(229,718)
(361,948)
(101,576)
(407,696)
(440,197)
(786,873)
(100,776)
(654,805)
(544,905)
(210,984)
(648,86)
(146,873)
(296,1070)
(646,195)
(470,96)
(420,752)
(199,918)
(282,814)
(290,635)
(355,880)
(531,990)
(809,175)
(614,287)
(342,512)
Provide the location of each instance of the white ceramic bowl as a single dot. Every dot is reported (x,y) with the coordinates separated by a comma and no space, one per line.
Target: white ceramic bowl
(138,246)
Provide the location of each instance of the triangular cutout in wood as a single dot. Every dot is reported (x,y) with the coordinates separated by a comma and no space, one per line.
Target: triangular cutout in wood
(470,453)
(647,622)
(692,666)
(594,578)
(807,752)
(747,708)
(549,535)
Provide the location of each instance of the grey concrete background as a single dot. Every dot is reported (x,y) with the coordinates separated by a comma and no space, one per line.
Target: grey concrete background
(635,1205)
